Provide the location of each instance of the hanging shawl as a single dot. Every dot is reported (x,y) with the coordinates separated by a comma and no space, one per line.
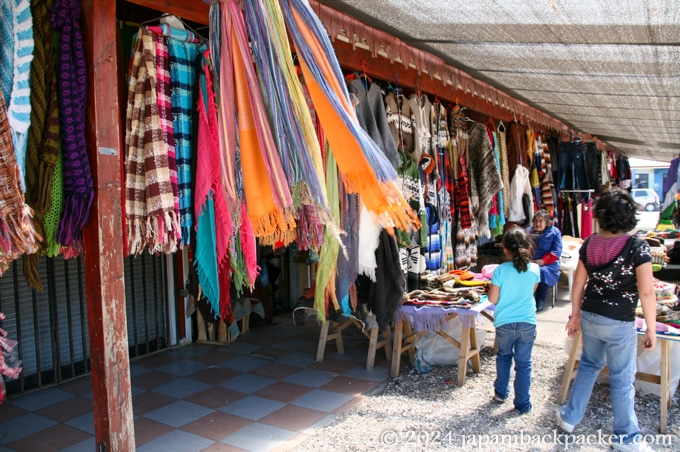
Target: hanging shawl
(328,258)
(72,77)
(213,222)
(270,206)
(291,121)
(364,167)
(183,53)
(40,161)
(152,220)
(164,96)
(505,169)
(17,235)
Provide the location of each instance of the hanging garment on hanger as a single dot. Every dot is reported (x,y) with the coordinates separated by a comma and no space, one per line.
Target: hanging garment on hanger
(439,131)
(485,180)
(421,109)
(572,161)
(152,220)
(516,146)
(373,118)
(400,121)
(593,167)
(505,169)
(586,217)
(518,188)
(546,177)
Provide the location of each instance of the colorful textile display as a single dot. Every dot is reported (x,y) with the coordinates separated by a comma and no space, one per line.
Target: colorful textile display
(364,167)
(72,77)
(213,222)
(268,198)
(152,220)
(17,235)
(290,118)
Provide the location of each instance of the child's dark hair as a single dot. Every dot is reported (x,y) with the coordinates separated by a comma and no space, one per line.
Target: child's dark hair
(615,211)
(518,242)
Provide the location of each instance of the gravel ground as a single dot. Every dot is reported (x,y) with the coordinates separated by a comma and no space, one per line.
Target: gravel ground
(429,412)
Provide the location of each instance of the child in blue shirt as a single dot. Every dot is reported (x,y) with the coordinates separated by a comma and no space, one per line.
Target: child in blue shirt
(512,290)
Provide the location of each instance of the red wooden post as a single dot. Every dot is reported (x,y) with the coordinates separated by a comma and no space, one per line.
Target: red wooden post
(103,238)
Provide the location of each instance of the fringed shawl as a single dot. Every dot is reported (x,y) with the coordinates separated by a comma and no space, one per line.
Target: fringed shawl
(184,60)
(72,77)
(328,257)
(17,235)
(364,167)
(270,205)
(152,220)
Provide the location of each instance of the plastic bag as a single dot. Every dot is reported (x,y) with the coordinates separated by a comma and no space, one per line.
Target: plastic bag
(433,350)
(649,361)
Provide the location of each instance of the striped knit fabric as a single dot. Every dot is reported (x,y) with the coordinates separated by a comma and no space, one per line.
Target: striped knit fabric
(19,108)
(6,49)
(184,59)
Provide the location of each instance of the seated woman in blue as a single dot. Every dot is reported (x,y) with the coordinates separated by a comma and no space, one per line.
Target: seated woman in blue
(547,253)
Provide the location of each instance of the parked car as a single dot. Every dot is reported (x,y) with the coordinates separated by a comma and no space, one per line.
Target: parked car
(646,198)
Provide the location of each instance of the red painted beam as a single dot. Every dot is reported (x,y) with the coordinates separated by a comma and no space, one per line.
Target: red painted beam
(192,10)
(103,238)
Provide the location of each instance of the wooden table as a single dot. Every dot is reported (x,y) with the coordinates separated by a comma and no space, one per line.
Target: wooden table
(412,322)
(663,379)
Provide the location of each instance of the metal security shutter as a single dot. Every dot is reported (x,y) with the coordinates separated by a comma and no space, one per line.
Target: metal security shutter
(51,326)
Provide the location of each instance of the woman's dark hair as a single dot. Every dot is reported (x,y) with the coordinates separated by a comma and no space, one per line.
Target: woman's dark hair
(545,215)
(615,211)
(518,242)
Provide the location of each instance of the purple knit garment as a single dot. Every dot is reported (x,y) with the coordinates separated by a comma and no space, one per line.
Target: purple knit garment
(72,91)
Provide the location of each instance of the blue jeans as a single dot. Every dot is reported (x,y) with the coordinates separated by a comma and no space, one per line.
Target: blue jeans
(572,158)
(515,340)
(617,342)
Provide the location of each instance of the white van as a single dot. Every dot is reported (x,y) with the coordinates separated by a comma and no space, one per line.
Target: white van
(646,198)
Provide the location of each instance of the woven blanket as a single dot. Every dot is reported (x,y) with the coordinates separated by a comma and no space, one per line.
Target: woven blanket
(72,78)
(149,201)
(164,93)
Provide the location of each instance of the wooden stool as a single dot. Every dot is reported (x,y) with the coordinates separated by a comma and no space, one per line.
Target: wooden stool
(373,345)
(404,341)
(663,380)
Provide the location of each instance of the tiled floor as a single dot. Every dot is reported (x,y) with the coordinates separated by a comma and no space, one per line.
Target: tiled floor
(263,392)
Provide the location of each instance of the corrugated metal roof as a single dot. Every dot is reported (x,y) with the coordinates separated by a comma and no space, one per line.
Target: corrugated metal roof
(609,68)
